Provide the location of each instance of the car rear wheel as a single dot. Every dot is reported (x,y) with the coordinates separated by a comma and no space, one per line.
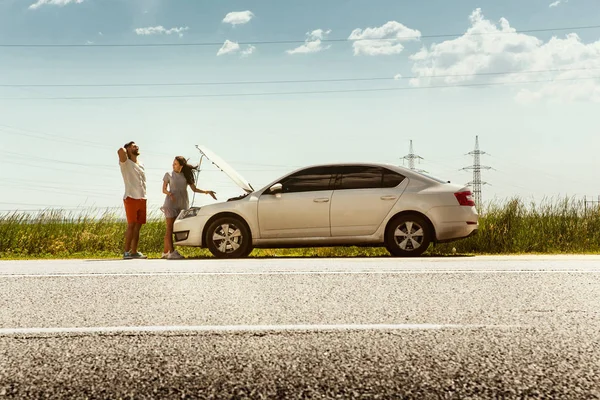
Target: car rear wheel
(408,236)
(229,237)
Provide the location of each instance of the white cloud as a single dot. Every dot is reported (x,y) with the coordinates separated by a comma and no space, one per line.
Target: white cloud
(397,77)
(248,51)
(557,3)
(318,34)
(230,47)
(238,17)
(313,43)
(487,49)
(61,3)
(384,40)
(160,30)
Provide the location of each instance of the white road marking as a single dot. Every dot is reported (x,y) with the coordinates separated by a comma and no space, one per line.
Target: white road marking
(301,266)
(240,328)
(379,272)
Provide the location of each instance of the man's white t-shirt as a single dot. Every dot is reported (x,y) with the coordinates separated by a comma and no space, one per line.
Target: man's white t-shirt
(134,177)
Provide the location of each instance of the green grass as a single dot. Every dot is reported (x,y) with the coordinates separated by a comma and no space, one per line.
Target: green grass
(512,227)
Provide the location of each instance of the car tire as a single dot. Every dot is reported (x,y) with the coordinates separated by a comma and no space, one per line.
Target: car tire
(229,237)
(408,235)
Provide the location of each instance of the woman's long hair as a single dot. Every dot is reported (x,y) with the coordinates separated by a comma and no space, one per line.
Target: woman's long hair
(187,169)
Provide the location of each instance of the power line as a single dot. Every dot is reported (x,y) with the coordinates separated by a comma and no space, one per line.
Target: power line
(269,42)
(30,164)
(109,167)
(60,184)
(188,96)
(27,210)
(53,138)
(57,208)
(61,190)
(87,143)
(10,153)
(332,80)
(54,205)
(570,178)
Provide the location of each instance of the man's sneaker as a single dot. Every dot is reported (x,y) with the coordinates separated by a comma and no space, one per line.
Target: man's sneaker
(138,255)
(127,256)
(165,255)
(175,256)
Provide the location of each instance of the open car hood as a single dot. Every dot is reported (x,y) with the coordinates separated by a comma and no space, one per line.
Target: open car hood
(223,166)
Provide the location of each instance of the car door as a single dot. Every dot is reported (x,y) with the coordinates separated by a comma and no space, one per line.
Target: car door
(362,198)
(301,209)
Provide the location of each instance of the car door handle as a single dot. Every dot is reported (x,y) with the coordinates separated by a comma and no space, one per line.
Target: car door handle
(388,197)
(321,200)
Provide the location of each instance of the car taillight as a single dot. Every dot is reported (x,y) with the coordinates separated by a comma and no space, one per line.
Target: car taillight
(465,198)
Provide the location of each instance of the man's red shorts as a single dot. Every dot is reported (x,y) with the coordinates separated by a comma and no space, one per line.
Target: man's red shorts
(135,210)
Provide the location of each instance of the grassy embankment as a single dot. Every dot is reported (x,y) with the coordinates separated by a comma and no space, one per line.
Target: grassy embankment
(514,227)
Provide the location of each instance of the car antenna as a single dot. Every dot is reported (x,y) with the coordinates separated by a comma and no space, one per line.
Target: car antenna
(197,173)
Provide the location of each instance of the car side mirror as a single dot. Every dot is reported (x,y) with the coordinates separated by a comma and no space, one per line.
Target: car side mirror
(276,188)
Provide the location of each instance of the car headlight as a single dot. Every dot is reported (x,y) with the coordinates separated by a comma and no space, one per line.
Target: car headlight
(192,212)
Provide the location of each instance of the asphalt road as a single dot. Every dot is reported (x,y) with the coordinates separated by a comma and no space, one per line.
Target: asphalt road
(476,327)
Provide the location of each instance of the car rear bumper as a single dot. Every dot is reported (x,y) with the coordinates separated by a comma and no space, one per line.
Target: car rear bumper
(473,232)
(454,222)
(448,232)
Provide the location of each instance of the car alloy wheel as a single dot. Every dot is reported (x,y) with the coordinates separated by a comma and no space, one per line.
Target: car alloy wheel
(228,237)
(408,236)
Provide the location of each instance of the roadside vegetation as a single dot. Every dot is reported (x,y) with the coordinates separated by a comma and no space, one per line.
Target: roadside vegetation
(512,227)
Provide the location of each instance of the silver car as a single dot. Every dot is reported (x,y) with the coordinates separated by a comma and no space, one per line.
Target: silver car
(350,204)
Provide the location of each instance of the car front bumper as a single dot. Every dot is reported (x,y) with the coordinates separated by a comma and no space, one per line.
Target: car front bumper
(188,231)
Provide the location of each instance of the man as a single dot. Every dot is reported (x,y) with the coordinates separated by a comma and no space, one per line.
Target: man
(134,198)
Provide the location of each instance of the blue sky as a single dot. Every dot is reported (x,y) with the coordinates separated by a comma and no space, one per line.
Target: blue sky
(542,137)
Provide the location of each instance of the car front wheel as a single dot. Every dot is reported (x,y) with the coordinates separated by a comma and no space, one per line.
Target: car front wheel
(229,237)
(408,236)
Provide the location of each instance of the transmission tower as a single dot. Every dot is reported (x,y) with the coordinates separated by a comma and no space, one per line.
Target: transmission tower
(477,183)
(411,157)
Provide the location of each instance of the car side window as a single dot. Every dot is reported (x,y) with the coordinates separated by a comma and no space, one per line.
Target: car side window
(391,179)
(309,180)
(367,177)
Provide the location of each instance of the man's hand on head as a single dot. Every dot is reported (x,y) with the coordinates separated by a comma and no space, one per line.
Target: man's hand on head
(122,154)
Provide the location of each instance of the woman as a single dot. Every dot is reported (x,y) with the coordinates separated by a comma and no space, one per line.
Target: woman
(176,199)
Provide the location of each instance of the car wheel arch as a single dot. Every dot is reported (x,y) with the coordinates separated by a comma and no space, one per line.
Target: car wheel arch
(420,214)
(225,214)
